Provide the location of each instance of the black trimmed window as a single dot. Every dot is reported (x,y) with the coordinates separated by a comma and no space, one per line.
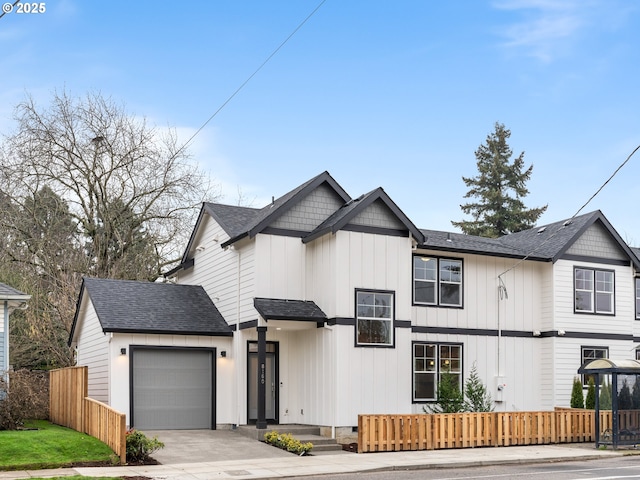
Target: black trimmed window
(437,281)
(374,318)
(430,360)
(592,353)
(594,291)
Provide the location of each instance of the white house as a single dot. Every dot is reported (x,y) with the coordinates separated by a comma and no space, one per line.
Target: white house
(327,307)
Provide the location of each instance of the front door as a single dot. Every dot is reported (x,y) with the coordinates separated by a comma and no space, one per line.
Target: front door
(271,380)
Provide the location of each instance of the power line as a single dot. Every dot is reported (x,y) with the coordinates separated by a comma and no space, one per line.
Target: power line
(574,215)
(249,78)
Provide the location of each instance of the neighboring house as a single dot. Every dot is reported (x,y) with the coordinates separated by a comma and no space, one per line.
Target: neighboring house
(341,306)
(10,299)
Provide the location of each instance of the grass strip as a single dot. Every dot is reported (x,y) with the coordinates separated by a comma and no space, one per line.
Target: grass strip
(45,445)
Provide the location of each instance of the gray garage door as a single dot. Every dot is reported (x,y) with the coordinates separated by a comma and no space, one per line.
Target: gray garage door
(172,389)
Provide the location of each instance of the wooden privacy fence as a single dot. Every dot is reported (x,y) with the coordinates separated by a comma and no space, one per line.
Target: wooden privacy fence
(70,406)
(389,433)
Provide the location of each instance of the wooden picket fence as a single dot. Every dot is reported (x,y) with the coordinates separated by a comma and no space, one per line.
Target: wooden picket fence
(70,406)
(390,433)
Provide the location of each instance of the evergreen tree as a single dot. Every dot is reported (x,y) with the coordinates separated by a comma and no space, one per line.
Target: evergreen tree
(450,399)
(590,400)
(477,399)
(577,397)
(605,395)
(498,190)
(635,394)
(625,402)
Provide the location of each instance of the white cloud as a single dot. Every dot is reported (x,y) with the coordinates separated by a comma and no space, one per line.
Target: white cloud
(548,27)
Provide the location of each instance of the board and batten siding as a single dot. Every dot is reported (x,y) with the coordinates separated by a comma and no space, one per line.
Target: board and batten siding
(93,351)
(520,309)
(365,379)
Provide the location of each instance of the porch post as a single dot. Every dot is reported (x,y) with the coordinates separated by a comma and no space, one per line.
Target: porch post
(261,422)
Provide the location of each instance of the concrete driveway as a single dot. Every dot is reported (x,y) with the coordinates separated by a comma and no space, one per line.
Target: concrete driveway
(195,446)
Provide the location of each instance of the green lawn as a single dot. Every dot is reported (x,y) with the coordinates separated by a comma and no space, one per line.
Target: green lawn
(50,446)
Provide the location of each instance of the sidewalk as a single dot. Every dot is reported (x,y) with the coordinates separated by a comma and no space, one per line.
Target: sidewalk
(290,466)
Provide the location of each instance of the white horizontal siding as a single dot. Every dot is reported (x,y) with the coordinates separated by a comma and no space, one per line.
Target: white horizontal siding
(93,351)
(565,319)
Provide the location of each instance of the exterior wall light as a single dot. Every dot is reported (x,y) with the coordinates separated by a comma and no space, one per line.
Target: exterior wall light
(223,353)
(123,351)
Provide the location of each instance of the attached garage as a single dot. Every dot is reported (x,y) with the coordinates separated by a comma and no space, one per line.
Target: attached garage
(154,352)
(172,388)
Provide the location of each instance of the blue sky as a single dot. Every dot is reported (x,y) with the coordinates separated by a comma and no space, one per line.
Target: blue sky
(379,93)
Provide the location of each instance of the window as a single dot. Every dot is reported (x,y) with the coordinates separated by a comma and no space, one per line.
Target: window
(375,315)
(591,353)
(437,281)
(594,291)
(430,360)
(637,299)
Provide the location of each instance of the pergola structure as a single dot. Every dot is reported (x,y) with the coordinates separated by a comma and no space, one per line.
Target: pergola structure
(625,411)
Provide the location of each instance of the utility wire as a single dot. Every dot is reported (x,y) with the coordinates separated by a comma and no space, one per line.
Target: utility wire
(249,79)
(515,265)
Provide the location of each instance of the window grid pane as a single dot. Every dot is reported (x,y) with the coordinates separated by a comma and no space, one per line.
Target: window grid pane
(437,281)
(375,318)
(430,361)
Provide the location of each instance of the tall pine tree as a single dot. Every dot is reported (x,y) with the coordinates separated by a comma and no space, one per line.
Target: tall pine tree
(498,190)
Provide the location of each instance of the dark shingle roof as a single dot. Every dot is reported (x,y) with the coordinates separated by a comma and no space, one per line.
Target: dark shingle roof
(541,243)
(277,309)
(126,306)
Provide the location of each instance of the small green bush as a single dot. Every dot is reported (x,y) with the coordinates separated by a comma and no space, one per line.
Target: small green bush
(590,400)
(287,442)
(140,447)
(577,397)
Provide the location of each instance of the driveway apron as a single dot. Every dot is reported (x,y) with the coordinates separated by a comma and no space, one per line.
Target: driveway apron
(195,446)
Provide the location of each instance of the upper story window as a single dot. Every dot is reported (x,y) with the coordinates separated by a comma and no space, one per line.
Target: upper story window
(437,281)
(374,318)
(594,291)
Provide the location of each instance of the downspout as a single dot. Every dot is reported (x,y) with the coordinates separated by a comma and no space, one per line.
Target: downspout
(236,341)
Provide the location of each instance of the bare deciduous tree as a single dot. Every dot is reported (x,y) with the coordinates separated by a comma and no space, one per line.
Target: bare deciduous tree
(86,189)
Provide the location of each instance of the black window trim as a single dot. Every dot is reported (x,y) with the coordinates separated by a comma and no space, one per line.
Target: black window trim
(585,381)
(595,312)
(413,378)
(437,304)
(393,319)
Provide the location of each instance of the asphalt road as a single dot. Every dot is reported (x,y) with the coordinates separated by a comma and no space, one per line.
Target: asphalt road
(627,467)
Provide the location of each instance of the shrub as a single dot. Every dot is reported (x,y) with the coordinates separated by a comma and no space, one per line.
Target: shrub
(577,397)
(450,399)
(605,395)
(625,401)
(287,442)
(477,399)
(26,397)
(590,400)
(635,394)
(140,447)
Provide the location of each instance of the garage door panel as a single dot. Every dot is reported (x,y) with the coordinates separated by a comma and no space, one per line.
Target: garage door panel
(172,389)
